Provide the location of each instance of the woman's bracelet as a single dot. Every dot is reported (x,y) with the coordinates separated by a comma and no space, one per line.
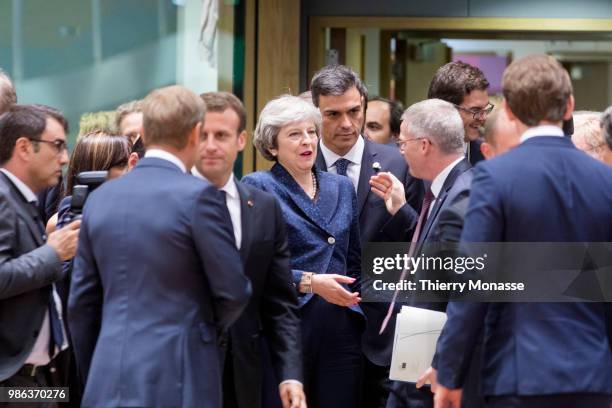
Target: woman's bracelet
(306,282)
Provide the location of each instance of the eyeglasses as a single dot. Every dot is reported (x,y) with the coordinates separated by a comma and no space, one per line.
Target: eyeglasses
(478,113)
(400,143)
(59,145)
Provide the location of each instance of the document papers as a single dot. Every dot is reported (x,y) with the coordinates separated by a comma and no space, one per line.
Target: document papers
(416,333)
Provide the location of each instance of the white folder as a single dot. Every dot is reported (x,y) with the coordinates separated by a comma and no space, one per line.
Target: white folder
(416,333)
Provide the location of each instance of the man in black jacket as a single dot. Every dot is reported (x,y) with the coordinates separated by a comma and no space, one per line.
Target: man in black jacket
(259,230)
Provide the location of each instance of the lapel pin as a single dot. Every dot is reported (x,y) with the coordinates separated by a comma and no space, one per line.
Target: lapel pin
(250,203)
(376,166)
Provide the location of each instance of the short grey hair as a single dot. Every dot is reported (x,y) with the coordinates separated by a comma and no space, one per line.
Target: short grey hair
(8,96)
(438,121)
(336,80)
(277,113)
(606,125)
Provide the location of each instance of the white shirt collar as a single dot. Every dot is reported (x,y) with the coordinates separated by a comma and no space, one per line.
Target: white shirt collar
(546,130)
(354,155)
(438,182)
(229,187)
(25,191)
(162,154)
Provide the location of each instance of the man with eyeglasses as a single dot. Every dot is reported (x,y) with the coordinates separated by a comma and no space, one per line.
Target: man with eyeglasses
(432,143)
(465,86)
(32,332)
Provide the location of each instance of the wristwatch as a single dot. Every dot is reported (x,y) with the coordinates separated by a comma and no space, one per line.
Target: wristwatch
(306,282)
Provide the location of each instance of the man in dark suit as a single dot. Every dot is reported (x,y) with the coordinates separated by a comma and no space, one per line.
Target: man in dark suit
(383,118)
(341,98)
(32,153)
(465,86)
(259,231)
(145,328)
(432,143)
(537,354)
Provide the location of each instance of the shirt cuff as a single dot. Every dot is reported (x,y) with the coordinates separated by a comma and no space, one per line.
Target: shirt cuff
(291,382)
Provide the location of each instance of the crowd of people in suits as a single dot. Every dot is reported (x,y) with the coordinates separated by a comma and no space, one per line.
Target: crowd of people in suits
(181,285)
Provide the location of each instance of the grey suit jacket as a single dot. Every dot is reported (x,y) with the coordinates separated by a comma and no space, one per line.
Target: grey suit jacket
(28,267)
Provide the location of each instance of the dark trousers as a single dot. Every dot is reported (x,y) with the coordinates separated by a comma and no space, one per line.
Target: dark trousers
(406,395)
(331,338)
(331,342)
(39,379)
(376,385)
(551,401)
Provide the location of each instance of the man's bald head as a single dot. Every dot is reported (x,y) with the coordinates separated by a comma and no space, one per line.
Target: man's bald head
(500,135)
(8,96)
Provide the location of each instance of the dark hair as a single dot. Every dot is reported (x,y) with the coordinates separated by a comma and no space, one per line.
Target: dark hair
(139,148)
(53,113)
(97,151)
(220,101)
(19,121)
(396,110)
(453,81)
(8,96)
(335,80)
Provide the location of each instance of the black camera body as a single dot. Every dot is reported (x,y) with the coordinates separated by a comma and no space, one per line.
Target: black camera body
(86,182)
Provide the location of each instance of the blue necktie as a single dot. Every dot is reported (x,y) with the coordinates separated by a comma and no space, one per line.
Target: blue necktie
(341,166)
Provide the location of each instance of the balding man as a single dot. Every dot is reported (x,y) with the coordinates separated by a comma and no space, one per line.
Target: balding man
(606,126)
(500,135)
(588,134)
(8,96)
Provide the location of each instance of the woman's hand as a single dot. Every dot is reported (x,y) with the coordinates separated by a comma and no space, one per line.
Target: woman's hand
(329,287)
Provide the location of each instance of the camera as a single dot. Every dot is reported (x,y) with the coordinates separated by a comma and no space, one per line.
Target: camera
(86,182)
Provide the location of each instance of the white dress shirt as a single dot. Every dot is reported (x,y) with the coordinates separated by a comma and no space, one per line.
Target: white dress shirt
(232,200)
(354,156)
(438,182)
(162,154)
(546,130)
(39,355)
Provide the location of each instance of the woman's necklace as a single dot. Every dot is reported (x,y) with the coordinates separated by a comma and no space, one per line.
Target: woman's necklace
(315,186)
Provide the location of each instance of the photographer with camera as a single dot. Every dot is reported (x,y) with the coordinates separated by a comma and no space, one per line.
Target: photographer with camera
(96,157)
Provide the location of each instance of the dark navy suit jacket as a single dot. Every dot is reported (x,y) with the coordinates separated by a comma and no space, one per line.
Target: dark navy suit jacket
(545,190)
(145,327)
(273,308)
(444,224)
(323,234)
(373,215)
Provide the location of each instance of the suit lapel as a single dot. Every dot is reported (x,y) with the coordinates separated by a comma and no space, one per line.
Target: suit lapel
(247,212)
(25,211)
(327,194)
(366,172)
(459,168)
(320,161)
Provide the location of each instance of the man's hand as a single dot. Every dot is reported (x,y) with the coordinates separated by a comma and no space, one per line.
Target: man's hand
(429,376)
(447,398)
(64,241)
(390,189)
(292,395)
(329,287)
